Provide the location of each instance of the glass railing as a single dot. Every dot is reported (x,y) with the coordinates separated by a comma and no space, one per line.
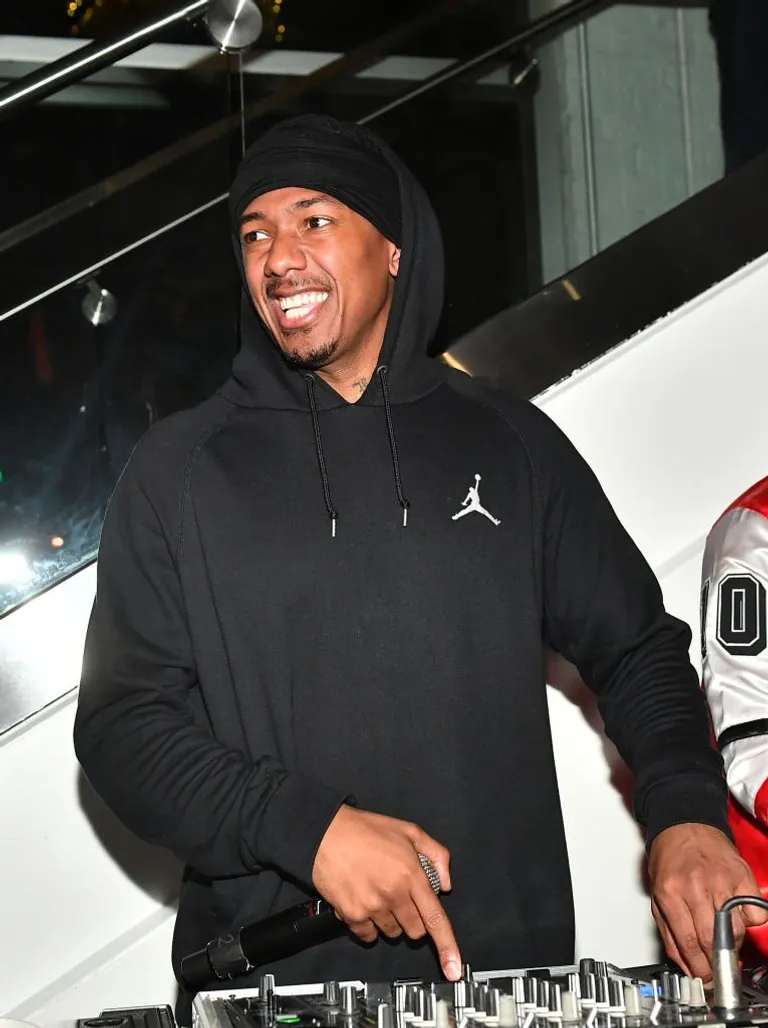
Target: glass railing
(76,397)
(87,132)
(536,157)
(123,173)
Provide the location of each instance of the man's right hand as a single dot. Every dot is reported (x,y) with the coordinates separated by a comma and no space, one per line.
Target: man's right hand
(367,867)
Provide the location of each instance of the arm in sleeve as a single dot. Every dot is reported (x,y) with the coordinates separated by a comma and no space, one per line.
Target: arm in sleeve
(604,612)
(735,650)
(136,738)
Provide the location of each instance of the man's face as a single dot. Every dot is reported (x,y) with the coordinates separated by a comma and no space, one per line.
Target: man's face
(321,276)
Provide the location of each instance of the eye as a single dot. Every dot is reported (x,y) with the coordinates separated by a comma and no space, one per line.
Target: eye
(257,235)
(318,221)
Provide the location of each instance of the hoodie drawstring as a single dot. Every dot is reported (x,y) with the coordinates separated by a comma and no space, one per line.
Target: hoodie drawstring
(382,373)
(332,512)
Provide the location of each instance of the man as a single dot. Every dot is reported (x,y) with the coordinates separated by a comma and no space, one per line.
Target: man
(734,622)
(302,671)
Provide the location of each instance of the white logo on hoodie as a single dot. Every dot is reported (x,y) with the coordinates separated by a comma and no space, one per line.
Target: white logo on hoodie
(472,504)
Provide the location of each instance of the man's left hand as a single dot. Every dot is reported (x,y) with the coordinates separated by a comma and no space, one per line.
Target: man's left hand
(693,870)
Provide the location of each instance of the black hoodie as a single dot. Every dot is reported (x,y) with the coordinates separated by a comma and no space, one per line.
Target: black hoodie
(246,672)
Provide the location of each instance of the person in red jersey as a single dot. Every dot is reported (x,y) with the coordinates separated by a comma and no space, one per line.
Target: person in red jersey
(734,619)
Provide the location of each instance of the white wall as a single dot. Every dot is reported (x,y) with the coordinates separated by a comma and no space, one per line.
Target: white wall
(674,424)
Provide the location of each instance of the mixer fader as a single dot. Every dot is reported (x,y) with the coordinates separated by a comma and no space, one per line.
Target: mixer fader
(593,994)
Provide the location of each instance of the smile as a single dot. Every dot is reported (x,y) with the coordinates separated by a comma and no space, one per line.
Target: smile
(301,307)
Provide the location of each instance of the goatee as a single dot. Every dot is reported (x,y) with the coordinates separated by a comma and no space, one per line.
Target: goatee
(312,359)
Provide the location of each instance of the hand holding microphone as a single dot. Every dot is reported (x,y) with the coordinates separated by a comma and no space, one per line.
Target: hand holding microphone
(374,873)
(368,868)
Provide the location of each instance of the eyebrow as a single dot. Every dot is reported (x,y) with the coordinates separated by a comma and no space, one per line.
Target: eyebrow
(299,205)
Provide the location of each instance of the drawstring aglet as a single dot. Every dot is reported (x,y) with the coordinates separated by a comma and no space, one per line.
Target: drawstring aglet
(405,517)
(333,527)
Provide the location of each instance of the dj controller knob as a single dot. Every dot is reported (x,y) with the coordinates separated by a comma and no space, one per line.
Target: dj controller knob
(471,1007)
(685,991)
(384,1016)
(267,988)
(586,966)
(670,986)
(349,1000)
(460,994)
(428,1001)
(529,993)
(632,1001)
(466,973)
(555,1001)
(615,996)
(492,1006)
(442,1014)
(601,993)
(574,985)
(571,1006)
(601,969)
(507,1011)
(400,998)
(587,989)
(518,989)
(331,994)
(542,995)
(479,1002)
(698,1000)
(413,1001)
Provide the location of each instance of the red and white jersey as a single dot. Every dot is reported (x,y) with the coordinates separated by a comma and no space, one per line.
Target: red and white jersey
(734,622)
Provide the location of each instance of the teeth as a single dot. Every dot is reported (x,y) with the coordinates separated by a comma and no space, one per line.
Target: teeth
(302,300)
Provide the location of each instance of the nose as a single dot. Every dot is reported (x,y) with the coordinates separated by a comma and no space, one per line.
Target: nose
(285,255)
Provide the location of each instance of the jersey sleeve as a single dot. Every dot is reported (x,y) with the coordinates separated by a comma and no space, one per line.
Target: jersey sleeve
(735,650)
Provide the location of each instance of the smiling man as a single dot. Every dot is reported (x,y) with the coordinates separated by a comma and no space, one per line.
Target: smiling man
(324,597)
(322,278)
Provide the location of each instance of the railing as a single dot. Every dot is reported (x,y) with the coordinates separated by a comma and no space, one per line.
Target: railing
(91,58)
(349,64)
(540,31)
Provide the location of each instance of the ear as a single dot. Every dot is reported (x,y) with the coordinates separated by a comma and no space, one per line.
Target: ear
(394,260)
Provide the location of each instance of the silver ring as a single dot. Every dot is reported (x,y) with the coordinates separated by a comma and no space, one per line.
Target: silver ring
(430,872)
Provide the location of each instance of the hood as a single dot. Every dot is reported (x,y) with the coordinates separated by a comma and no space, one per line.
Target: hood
(261,378)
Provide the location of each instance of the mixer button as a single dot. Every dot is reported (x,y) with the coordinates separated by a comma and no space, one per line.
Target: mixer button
(698,999)
(615,996)
(632,1002)
(555,1001)
(349,1000)
(571,1006)
(507,1012)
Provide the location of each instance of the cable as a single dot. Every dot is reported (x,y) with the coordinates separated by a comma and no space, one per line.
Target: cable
(729,995)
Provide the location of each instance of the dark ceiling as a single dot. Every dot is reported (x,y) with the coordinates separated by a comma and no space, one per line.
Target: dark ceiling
(335,25)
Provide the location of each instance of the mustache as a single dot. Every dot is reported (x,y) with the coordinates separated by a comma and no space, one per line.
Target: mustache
(303,285)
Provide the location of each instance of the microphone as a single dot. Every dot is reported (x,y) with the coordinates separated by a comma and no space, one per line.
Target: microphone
(282,935)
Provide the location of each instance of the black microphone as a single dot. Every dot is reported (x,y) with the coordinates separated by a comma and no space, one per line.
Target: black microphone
(274,938)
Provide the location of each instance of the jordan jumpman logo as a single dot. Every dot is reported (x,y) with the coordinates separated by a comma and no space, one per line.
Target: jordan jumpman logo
(472,504)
